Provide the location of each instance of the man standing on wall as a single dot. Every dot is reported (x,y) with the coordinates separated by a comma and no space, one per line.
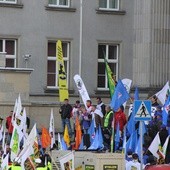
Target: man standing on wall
(65,111)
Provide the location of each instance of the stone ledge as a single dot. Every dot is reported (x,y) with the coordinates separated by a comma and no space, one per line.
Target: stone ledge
(110,12)
(17,70)
(62,9)
(8,5)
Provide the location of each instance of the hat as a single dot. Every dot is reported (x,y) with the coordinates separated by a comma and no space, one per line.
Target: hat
(159,107)
(135,156)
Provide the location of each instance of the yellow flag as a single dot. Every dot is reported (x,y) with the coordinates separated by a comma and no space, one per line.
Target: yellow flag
(66,136)
(62,78)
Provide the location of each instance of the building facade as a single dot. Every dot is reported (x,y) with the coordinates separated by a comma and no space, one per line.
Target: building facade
(133,35)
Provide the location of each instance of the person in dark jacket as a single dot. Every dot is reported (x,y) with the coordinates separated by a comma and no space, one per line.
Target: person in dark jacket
(65,111)
(100,105)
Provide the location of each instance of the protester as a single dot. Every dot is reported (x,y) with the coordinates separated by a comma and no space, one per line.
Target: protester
(65,111)
(85,120)
(98,117)
(100,105)
(9,127)
(154,101)
(107,130)
(76,112)
(120,117)
(134,164)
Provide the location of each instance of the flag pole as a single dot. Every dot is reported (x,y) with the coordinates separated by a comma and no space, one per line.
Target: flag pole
(141,145)
(81,35)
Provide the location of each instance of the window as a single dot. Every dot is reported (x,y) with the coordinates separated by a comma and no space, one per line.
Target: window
(52,77)
(111,52)
(59,3)
(109,4)
(9,46)
(8,1)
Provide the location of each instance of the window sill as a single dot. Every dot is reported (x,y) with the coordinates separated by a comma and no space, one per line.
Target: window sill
(62,9)
(110,12)
(8,5)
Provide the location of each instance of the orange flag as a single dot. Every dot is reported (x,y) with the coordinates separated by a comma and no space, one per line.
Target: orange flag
(45,138)
(78,134)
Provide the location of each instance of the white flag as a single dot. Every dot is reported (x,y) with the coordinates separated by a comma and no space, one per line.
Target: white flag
(127,83)
(161,95)
(52,129)
(59,142)
(165,146)
(4,165)
(29,151)
(81,88)
(154,146)
(1,132)
(30,140)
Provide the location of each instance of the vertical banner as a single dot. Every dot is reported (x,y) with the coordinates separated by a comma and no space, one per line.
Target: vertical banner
(82,89)
(62,78)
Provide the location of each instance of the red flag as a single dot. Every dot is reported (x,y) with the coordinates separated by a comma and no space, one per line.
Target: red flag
(78,134)
(45,138)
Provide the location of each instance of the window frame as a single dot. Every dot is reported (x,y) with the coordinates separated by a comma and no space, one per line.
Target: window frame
(8,2)
(52,58)
(58,4)
(9,56)
(110,9)
(115,61)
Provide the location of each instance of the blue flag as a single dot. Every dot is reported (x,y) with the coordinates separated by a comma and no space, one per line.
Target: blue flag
(165,111)
(120,96)
(98,140)
(136,95)
(64,145)
(117,137)
(132,141)
(91,131)
(81,144)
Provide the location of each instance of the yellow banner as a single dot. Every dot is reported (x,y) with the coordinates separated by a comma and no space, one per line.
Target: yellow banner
(62,78)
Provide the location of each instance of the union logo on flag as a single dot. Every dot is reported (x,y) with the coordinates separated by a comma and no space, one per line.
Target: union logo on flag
(119,95)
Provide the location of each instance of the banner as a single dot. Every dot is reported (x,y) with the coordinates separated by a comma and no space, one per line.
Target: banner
(110,79)
(81,88)
(62,78)
(67,161)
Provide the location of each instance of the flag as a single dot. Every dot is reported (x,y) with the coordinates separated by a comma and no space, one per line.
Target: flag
(154,146)
(4,165)
(62,77)
(138,148)
(109,77)
(81,88)
(3,142)
(52,129)
(78,134)
(14,111)
(98,140)
(26,154)
(127,83)
(45,138)
(1,132)
(117,137)
(161,95)
(120,96)
(14,144)
(59,142)
(165,111)
(132,141)
(66,136)
(91,131)
(136,95)
(81,147)
(63,144)
(164,148)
